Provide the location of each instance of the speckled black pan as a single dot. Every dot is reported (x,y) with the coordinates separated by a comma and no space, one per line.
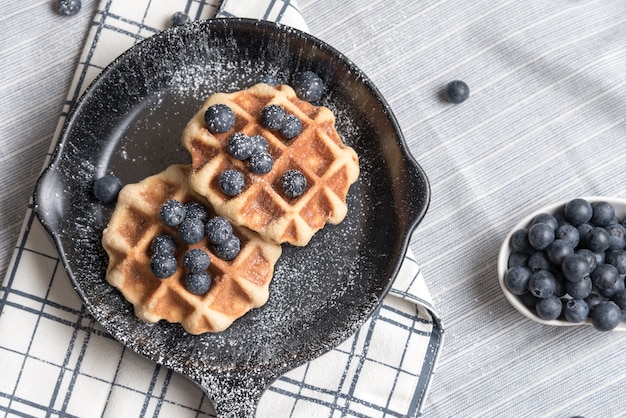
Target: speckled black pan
(129,123)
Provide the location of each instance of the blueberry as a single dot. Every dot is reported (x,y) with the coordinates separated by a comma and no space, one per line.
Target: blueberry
(575,267)
(529,300)
(604,276)
(291,127)
(549,308)
(219,118)
(606,316)
(69,7)
(308,86)
(540,236)
(519,241)
(196,260)
(269,79)
(597,240)
(539,261)
(516,280)
(583,229)
(542,284)
(259,144)
(593,300)
(618,259)
(229,249)
(620,299)
(240,146)
(294,183)
(518,259)
(617,236)
(180,18)
(163,265)
(558,250)
(261,163)
(590,256)
(456,91)
(232,182)
(163,244)
(273,117)
(196,210)
(578,211)
(568,233)
(198,283)
(106,188)
(576,310)
(191,230)
(579,290)
(218,230)
(559,290)
(611,291)
(546,218)
(172,212)
(603,213)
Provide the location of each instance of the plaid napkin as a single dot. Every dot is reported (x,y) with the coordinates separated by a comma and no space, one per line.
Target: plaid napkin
(56,360)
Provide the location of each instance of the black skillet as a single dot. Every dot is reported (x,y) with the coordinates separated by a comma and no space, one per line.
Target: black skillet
(129,123)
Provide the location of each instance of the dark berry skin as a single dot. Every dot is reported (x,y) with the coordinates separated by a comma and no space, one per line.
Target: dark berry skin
(578,211)
(273,117)
(549,308)
(198,283)
(617,236)
(606,316)
(604,276)
(620,299)
(603,213)
(618,259)
(539,261)
(106,188)
(228,250)
(240,146)
(232,182)
(558,250)
(516,280)
(261,163)
(196,210)
(309,86)
(456,91)
(180,18)
(163,265)
(294,183)
(191,230)
(518,259)
(542,284)
(576,310)
(163,244)
(196,260)
(218,230)
(597,240)
(609,293)
(291,128)
(568,233)
(172,212)
(590,256)
(519,241)
(219,118)
(593,300)
(259,144)
(546,218)
(575,267)
(540,236)
(69,7)
(579,290)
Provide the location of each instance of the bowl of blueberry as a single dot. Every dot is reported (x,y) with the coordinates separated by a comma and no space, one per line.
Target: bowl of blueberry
(565,264)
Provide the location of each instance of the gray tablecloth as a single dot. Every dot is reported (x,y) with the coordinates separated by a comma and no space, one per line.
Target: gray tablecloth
(544,122)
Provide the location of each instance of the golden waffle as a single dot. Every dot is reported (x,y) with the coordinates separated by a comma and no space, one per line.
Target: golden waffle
(330,167)
(237,286)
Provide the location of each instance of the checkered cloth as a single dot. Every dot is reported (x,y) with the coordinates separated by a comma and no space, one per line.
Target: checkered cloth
(55,360)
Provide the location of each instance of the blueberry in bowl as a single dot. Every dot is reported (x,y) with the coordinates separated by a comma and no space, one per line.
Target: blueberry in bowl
(565,264)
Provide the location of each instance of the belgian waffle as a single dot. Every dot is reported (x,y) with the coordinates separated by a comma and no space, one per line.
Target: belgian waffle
(329,166)
(238,285)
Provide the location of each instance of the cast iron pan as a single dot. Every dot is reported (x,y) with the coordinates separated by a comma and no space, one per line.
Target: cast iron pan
(129,123)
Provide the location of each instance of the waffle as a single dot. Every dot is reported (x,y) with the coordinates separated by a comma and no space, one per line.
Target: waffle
(329,166)
(238,285)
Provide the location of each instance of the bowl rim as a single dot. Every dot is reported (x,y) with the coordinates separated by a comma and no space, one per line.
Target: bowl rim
(505,251)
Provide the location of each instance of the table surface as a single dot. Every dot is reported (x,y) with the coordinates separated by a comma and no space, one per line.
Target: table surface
(544,123)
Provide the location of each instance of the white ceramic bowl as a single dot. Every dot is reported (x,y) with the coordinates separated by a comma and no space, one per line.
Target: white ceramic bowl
(506,249)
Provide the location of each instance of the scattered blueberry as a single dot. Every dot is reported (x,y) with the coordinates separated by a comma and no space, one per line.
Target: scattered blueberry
(163,244)
(198,283)
(172,212)
(240,146)
(219,118)
(261,163)
(163,265)
(229,249)
(232,182)
(540,236)
(196,210)
(180,18)
(578,211)
(606,316)
(291,127)
(259,144)
(309,86)
(576,310)
(218,230)
(294,183)
(106,188)
(516,280)
(69,7)
(196,260)
(456,91)
(549,308)
(273,117)
(191,230)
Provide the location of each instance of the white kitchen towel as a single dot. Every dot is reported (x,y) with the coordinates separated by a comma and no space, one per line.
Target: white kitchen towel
(55,360)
